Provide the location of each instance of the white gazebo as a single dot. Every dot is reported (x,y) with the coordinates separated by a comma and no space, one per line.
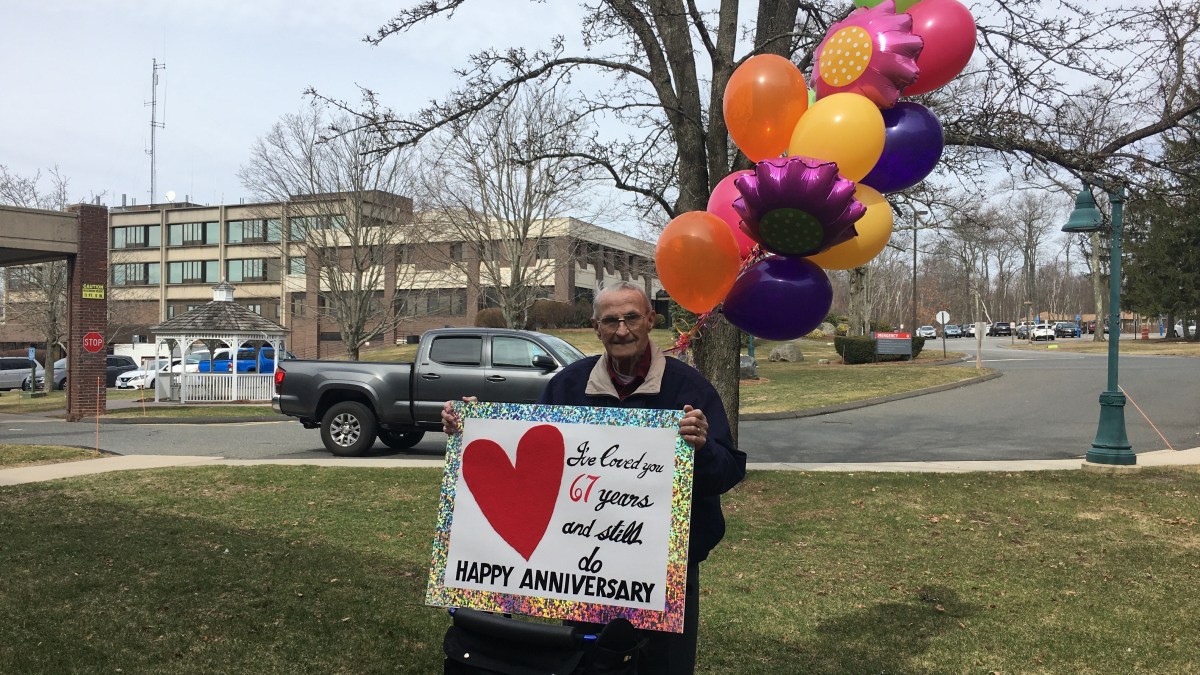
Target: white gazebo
(221,322)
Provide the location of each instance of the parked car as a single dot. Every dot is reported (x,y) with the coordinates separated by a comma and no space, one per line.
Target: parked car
(246,361)
(353,402)
(927,332)
(1179,329)
(951,330)
(1042,331)
(1001,328)
(969,330)
(114,366)
(144,377)
(1068,329)
(14,371)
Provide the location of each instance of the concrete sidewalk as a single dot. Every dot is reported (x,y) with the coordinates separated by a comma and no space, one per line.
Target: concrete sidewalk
(47,472)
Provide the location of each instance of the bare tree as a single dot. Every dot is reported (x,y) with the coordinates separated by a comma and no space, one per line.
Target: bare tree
(500,186)
(667,64)
(37,294)
(341,214)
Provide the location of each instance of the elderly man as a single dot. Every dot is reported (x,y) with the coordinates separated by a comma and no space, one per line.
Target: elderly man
(633,373)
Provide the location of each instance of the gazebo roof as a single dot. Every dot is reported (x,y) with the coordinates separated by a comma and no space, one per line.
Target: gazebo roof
(221,316)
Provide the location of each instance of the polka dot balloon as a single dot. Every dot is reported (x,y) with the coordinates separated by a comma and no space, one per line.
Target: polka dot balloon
(872,52)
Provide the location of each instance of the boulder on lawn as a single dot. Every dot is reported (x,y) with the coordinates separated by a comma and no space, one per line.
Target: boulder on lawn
(748,368)
(787,351)
(827,328)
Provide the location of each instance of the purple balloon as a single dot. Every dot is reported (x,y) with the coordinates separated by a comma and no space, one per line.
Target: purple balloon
(912,146)
(779,298)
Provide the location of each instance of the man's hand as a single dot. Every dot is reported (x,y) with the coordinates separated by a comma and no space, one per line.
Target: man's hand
(693,427)
(450,421)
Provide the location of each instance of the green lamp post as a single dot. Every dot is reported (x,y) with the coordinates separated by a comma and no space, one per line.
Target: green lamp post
(1112,444)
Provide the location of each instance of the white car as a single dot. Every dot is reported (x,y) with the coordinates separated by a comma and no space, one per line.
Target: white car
(927,332)
(1042,331)
(143,378)
(1179,329)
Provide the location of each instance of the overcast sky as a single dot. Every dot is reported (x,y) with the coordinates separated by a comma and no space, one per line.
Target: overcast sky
(75,79)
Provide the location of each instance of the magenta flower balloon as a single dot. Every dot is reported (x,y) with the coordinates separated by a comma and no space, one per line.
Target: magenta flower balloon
(872,52)
(797,206)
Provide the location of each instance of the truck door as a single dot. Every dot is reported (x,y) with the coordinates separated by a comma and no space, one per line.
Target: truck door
(452,367)
(512,377)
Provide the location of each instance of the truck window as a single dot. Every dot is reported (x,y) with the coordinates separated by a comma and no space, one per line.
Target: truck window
(509,352)
(457,351)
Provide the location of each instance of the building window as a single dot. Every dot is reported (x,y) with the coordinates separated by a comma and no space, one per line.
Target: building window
(299,226)
(135,274)
(136,236)
(489,297)
(193,272)
(403,255)
(543,249)
(298,265)
(179,309)
(256,231)
(298,304)
(252,269)
(193,234)
(458,252)
(431,302)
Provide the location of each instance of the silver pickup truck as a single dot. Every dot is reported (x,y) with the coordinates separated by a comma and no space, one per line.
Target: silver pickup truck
(353,402)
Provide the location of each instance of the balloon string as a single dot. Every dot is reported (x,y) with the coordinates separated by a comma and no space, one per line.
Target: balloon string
(689,335)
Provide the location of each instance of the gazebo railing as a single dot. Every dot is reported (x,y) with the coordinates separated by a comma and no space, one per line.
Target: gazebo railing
(205,387)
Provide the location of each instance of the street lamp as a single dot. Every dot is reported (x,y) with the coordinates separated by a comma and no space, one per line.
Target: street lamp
(1112,444)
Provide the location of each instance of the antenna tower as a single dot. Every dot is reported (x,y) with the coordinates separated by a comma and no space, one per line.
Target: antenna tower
(154,124)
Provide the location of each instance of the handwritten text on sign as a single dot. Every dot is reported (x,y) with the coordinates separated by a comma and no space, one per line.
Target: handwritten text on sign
(565,512)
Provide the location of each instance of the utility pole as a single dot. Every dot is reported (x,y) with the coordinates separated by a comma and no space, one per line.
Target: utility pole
(154,124)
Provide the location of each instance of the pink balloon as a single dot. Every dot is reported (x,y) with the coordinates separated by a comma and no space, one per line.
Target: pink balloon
(720,204)
(948,30)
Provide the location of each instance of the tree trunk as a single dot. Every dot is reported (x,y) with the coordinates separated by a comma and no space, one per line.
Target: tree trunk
(717,357)
(860,302)
(1097,289)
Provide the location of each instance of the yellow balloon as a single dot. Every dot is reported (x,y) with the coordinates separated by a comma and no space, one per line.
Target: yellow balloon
(874,230)
(844,128)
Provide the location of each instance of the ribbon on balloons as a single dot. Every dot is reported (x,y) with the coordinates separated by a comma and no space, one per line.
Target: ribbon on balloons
(948,30)
(846,129)
(779,298)
(764,99)
(874,230)
(912,145)
(697,260)
(720,204)
(872,52)
(797,206)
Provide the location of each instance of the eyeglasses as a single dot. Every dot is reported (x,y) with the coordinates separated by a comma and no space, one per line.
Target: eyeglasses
(631,320)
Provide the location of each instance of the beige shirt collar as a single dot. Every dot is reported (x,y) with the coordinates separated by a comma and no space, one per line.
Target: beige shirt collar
(600,384)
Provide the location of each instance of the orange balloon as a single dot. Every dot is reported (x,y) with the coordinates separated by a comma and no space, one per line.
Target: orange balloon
(844,128)
(697,259)
(874,230)
(764,99)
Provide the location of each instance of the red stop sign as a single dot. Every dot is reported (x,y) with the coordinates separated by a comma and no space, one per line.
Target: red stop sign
(93,342)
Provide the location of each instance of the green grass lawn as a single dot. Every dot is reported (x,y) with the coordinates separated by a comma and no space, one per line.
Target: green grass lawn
(323,570)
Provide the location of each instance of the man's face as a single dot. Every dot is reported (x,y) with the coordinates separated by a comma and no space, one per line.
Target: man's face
(623,324)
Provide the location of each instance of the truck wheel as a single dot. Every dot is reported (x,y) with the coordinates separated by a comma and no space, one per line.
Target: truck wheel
(401,440)
(348,429)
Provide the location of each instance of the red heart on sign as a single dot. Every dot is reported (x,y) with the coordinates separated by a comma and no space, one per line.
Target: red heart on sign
(517,498)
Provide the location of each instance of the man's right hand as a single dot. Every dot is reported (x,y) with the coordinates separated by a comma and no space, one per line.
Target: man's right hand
(450,421)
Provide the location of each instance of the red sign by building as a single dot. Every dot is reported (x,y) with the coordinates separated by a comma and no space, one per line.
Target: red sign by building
(893,336)
(93,342)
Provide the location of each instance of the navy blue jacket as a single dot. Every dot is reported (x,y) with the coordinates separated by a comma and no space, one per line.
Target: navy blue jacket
(670,385)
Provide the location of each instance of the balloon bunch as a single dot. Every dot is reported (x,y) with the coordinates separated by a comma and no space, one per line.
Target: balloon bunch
(814,201)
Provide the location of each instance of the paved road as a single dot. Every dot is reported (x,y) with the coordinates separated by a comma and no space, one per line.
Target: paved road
(1044,407)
